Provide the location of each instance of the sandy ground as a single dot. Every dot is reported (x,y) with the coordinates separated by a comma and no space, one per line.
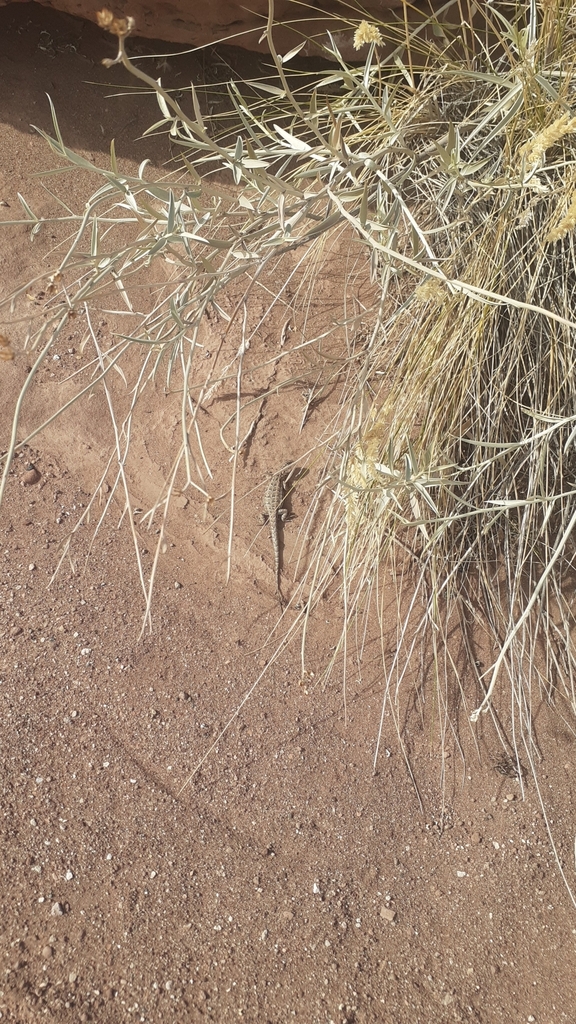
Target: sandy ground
(287,880)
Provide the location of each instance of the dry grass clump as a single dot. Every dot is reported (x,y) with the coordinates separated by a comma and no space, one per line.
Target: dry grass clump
(467,458)
(451,154)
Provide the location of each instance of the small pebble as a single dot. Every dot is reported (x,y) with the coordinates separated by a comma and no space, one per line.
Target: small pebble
(387,914)
(72,977)
(68,876)
(177,586)
(57,910)
(475,838)
(47,952)
(16,630)
(31,476)
(31,567)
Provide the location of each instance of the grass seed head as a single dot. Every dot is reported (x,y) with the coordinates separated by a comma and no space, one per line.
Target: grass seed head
(534,150)
(567,224)
(367,33)
(117,26)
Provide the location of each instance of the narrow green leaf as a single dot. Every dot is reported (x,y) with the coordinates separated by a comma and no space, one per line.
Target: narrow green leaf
(27,209)
(197,109)
(162,103)
(153,127)
(171,214)
(273,90)
(196,179)
(94,238)
(364,206)
(55,122)
(292,53)
(296,144)
(254,163)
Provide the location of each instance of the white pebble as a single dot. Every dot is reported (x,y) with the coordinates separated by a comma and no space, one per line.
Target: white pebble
(57,910)
(68,876)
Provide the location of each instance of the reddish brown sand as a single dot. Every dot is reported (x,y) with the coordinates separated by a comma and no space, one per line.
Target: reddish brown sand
(287,881)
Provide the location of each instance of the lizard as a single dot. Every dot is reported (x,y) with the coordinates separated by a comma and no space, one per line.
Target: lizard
(273,511)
